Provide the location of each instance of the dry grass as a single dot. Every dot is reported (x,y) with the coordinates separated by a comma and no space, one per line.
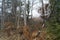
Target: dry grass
(4,36)
(29,35)
(23,33)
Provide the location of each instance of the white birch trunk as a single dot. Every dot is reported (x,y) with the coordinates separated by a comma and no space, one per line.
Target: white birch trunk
(25,13)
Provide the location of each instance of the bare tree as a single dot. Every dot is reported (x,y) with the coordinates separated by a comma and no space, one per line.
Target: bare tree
(28,9)
(44,16)
(14,6)
(18,16)
(25,13)
(32,8)
(3,13)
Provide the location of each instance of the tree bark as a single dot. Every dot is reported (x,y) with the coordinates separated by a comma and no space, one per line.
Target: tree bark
(25,14)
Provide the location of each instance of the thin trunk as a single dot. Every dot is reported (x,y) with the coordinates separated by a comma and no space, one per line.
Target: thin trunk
(28,10)
(3,13)
(14,6)
(25,14)
(18,19)
(43,15)
(32,8)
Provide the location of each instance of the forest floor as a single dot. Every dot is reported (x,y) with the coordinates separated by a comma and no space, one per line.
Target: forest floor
(16,36)
(4,36)
(12,34)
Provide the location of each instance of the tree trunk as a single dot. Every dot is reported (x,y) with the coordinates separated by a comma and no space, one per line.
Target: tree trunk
(3,13)
(25,14)
(14,6)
